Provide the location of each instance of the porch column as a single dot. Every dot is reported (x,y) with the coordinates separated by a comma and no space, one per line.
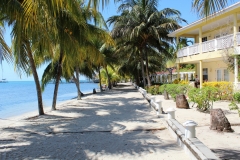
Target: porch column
(235,70)
(200,73)
(235,26)
(200,40)
(235,29)
(177,41)
(178,73)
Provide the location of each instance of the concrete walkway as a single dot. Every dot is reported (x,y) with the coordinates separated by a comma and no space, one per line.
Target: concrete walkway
(116,124)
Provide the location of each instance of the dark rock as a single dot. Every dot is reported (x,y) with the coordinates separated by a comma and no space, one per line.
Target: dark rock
(165,94)
(219,121)
(181,101)
(94,91)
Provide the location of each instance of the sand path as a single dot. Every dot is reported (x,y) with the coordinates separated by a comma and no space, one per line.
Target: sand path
(116,124)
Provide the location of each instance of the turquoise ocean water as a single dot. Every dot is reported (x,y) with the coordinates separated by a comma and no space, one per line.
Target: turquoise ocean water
(19,97)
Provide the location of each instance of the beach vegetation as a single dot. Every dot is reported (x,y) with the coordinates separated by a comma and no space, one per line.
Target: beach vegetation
(203,97)
(205,8)
(5,51)
(225,89)
(234,103)
(141,30)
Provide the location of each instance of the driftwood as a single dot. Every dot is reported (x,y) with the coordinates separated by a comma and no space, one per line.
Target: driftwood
(219,121)
(181,101)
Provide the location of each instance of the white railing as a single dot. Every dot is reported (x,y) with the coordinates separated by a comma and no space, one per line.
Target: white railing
(209,46)
(194,49)
(238,38)
(183,52)
(225,42)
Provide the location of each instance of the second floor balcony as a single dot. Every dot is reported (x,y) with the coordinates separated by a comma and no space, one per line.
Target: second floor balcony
(220,43)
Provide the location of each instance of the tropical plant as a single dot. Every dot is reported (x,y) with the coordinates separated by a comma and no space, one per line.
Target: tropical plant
(5,52)
(233,105)
(225,89)
(207,7)
(203,97)
(31,40)
(146,28)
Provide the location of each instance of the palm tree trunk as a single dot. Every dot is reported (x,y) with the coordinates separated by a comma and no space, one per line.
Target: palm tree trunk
(137,78)
(143,74)
(58,76)
(147,72)
(109,81)
(100,82)
(36,79)
(78,84)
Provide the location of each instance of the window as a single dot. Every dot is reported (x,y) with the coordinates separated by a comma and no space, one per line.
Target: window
(204,39)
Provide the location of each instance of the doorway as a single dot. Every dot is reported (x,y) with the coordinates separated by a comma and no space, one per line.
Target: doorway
(222,74)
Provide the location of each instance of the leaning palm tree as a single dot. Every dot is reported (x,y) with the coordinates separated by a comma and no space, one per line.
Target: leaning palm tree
(28,42)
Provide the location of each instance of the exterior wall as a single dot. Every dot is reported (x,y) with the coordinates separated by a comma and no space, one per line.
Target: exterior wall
(212,67)
(214,31)
(221,30)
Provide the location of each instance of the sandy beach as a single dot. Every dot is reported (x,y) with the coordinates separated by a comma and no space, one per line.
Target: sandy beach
(116,124)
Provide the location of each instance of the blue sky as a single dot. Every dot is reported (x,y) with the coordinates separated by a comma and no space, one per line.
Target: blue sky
(184,6)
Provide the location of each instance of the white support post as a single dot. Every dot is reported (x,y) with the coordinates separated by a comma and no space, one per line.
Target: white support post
(171,113)
(190,131)
(235,71)
(159,102)
(235,26)
(200,40)
(201,74)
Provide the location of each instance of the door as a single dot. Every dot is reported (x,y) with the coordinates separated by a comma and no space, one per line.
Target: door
(205,74)
(222,74)
(225,75)
(219,75)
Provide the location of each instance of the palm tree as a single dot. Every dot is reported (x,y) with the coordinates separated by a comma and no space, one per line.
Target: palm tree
(207,7)
(146,27)
(29,42)
(75,38)
(5,52)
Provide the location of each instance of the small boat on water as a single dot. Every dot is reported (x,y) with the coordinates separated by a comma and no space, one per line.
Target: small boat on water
(4,80)
(95,80)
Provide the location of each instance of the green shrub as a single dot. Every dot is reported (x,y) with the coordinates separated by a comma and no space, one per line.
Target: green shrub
(154,90)
(236,97)
(174,89)
(203,97)
(233,105)
(162,88)
(225,89)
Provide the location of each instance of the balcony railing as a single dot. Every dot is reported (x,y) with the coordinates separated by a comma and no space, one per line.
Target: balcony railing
(238,39)
(225,42)
(194,49)
(209,46)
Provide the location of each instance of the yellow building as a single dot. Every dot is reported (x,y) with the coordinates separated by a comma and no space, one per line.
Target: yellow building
(216,38)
